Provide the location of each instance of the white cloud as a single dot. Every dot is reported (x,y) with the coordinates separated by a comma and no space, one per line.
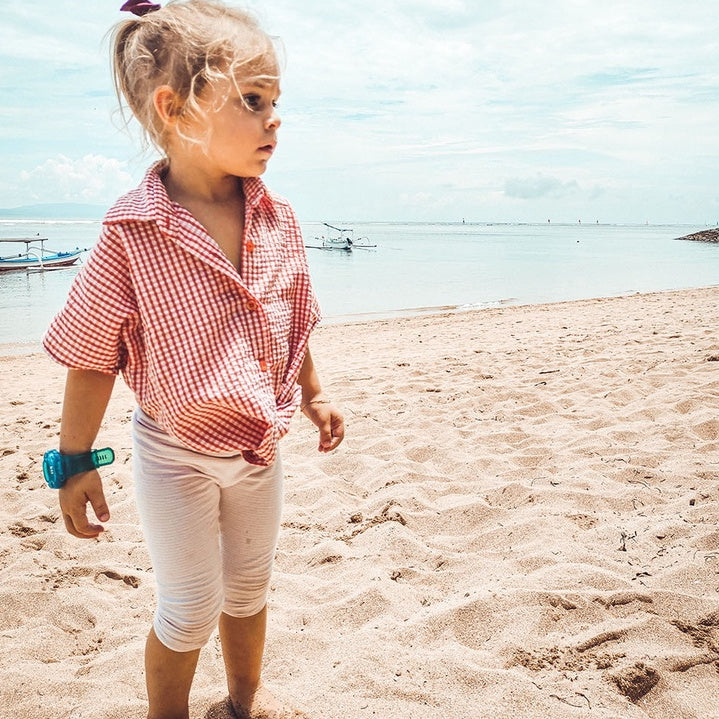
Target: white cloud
(532,187)
(89,179)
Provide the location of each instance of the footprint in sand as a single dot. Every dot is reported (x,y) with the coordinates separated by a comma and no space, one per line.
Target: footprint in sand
(635,681)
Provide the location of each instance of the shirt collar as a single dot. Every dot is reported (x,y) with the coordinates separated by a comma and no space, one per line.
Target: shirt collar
(150,200)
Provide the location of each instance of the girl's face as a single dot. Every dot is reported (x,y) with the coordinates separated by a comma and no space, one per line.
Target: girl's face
(239,131)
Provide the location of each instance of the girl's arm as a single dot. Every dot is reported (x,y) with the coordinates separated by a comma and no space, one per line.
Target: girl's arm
(86,396)
(318,409)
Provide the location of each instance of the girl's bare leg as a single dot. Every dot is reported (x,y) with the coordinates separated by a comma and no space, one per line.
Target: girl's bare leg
(168,675)
(243,644)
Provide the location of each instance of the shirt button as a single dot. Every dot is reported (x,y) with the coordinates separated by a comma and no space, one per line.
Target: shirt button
(263,365)
(251,305)
(249,245)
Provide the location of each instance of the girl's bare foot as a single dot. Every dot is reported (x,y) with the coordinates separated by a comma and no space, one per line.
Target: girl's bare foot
(264,705)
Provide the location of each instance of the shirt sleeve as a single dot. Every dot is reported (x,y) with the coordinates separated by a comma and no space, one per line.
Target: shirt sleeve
(88,332)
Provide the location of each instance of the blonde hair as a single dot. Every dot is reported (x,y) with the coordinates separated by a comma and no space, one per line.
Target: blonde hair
(187,45)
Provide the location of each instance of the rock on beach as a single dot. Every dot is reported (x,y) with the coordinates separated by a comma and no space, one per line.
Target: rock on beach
(703,236)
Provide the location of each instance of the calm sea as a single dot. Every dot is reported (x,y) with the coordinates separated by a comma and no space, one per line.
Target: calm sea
(420,267)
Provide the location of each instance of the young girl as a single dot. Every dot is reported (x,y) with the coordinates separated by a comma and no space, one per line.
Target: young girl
(198,292)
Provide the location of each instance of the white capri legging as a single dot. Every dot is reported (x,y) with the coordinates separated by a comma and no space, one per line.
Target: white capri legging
(211,526)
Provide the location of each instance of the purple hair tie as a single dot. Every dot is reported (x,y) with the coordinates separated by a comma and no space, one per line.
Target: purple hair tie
(139,7)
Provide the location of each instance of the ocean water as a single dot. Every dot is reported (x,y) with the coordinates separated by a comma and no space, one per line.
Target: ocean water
(419,267)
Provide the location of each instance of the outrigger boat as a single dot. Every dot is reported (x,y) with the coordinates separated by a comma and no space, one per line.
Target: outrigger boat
(343,241)
(36,256)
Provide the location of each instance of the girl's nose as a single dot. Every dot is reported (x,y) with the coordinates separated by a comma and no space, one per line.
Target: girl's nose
(273,121)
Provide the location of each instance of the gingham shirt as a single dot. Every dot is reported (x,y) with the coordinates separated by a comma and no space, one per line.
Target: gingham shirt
(213,356)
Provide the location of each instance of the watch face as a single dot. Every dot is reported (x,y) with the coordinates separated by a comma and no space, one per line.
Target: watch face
(52,469)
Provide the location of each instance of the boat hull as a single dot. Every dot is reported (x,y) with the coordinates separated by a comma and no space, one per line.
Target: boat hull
(338,244)
(60,259)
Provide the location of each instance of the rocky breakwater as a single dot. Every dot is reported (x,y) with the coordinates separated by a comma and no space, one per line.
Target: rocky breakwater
(703,236)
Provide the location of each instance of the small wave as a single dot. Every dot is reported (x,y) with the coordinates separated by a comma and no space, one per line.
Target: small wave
(485,305)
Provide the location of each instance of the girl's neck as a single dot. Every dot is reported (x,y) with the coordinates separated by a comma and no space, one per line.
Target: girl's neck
(190,182)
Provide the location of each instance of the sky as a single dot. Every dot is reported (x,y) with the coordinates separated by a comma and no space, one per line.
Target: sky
(410,110)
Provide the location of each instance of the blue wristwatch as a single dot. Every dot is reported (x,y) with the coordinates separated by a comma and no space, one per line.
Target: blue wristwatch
(58,468)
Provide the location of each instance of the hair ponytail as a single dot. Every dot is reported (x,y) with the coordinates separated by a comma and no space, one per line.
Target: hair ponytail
(186,45)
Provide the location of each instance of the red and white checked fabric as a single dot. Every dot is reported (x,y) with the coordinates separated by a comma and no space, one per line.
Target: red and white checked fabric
(211,355)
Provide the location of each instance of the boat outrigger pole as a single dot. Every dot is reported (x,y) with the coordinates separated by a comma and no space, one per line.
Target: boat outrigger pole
(339,229)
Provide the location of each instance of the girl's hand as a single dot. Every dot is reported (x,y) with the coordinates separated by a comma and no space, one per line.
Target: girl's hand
(74,496)
(328,419)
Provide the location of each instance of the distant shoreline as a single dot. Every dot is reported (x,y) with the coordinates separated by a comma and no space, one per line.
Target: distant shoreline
(54,211)
(69,212)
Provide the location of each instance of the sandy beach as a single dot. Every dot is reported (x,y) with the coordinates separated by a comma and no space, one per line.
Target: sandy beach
(522,523)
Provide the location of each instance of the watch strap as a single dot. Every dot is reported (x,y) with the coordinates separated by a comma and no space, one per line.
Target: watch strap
(103,457)
(77,463)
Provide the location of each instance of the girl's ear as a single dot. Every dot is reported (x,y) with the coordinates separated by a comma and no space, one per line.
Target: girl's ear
(167,105)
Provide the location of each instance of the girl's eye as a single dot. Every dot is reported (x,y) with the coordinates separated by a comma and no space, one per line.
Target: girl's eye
(252,101)
(256,102)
